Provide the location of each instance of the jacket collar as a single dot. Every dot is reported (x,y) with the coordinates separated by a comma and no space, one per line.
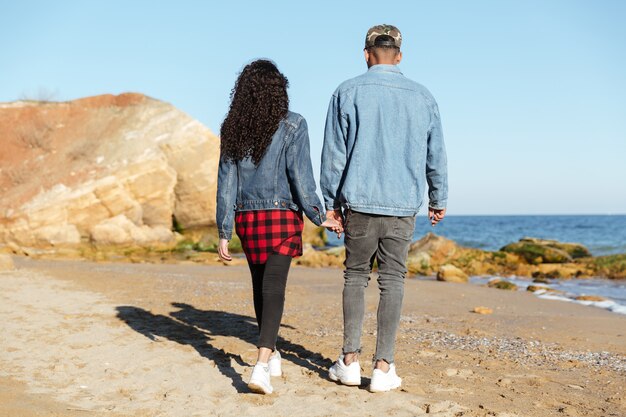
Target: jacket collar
(384,68)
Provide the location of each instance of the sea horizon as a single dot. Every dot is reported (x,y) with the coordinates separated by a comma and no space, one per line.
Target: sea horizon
(492,232)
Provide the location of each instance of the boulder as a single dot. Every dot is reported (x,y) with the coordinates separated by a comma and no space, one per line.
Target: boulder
(536,251)
(438,248)
(91,160)
(533,288)
(575,250)
(611,266)
(450,273)
(419,263)
(564,270)
(502,284)
(595,298)
(431,252)
(482,310)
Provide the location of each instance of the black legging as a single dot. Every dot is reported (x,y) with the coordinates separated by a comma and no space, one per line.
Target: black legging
(268,287)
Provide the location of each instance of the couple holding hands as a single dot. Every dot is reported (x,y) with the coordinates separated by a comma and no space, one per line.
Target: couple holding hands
(383,147)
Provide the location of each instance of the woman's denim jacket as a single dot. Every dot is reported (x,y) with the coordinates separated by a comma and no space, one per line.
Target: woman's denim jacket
(283,179)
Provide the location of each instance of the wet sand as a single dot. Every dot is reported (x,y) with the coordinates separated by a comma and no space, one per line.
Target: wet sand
(115,339)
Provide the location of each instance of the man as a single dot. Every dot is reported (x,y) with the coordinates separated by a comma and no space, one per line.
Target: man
(382,144)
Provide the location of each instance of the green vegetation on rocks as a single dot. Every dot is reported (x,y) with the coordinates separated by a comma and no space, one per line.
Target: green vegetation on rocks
(536,254)
(537,258)
(502,285)
(611,266)
(538,251)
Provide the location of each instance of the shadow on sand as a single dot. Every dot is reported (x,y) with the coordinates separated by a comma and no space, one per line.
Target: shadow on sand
(190,326)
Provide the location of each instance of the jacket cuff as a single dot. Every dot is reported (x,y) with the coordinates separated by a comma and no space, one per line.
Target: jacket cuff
(226,234)
(322,217)
(438,205)
(319,217)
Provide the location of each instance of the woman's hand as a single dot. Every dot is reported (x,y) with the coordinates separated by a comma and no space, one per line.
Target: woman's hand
(333,225)
(222,250)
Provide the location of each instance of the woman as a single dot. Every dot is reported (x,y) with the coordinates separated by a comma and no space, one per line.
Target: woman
(265,182)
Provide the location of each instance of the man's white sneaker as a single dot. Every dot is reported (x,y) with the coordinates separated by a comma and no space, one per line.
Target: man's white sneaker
(274,363)
(385,381)
(345,374)
(260,379)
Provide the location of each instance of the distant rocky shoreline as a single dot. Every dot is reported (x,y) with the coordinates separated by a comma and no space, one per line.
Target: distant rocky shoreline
(431,255)
(529,257)
(131,178)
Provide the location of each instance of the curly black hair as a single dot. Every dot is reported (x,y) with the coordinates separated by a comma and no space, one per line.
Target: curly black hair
(258,103)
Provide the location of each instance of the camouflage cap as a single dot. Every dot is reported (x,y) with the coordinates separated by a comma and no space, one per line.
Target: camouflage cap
(378,30)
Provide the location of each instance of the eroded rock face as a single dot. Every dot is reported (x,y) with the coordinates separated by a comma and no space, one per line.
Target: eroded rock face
(105,170)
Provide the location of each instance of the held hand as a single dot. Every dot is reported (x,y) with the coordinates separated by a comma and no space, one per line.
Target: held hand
(222,250)
(436,215)
(335,215)
(333,225)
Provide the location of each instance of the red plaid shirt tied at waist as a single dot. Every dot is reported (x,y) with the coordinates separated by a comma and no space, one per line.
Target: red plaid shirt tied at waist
(263,232)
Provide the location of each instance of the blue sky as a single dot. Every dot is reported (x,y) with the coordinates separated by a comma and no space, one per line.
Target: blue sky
(532,94)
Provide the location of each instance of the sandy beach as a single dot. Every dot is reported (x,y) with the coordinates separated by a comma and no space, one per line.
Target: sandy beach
(116,339)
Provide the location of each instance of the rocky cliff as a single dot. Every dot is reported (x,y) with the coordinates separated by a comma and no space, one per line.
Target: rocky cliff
(104,170)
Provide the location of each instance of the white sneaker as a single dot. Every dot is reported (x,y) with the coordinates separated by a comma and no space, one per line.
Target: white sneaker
(274,363)
(260,379)
(345,374)
(385,381)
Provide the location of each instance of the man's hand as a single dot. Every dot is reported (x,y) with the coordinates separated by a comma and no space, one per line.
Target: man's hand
(436,215)
(335,215)
(222,250)
(333,225)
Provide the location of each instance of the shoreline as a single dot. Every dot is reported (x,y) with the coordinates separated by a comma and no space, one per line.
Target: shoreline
(178,340)
(613,304)
(569,290)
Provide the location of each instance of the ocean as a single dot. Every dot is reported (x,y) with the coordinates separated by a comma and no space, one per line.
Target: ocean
(601,234)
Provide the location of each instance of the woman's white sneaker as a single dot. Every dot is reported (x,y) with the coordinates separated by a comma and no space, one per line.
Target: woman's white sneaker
(385,381)
(275,364)
(260,379)
(345,374)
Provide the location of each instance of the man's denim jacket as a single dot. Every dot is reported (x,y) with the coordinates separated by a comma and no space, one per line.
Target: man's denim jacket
(283,179)
(382,143)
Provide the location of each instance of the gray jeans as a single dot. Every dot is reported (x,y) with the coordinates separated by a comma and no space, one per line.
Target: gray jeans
(386,239)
